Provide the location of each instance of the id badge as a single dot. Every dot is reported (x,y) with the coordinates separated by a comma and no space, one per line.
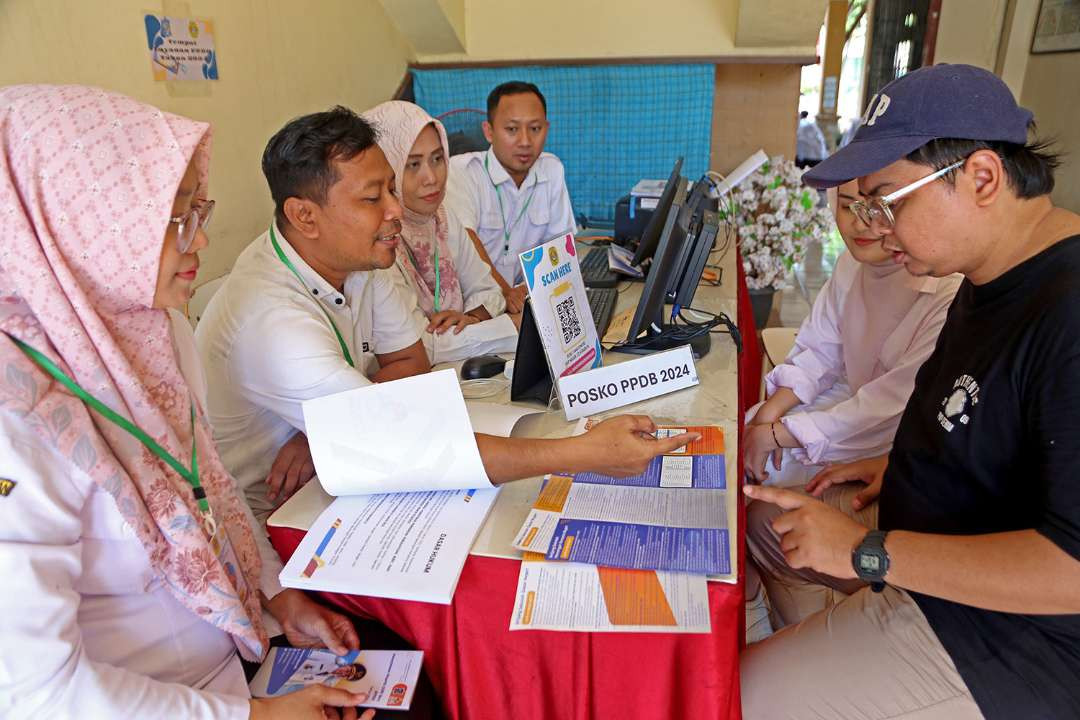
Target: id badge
(222,547)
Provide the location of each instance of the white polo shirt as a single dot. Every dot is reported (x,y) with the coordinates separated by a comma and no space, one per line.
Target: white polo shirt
(474,192)
(267,346)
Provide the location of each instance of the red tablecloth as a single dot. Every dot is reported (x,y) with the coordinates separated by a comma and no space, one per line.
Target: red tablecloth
(482,670)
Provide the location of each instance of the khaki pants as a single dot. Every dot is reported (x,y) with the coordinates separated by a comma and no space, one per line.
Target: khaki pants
(849,653)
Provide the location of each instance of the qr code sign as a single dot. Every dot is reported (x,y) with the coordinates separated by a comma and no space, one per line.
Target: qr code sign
(569,322)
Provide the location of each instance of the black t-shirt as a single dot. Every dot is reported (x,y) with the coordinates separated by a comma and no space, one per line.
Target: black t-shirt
(990,442)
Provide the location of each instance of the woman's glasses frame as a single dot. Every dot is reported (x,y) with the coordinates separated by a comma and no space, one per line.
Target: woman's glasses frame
(190,222)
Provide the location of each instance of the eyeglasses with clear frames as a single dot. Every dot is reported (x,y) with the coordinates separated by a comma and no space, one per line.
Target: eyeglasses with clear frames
(190,222)
(879,209)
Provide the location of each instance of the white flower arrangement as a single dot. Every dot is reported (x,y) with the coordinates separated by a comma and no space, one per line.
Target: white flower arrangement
(777,219)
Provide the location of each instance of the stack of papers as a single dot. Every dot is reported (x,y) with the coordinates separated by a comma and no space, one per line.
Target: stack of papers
(620,260)
(629,553)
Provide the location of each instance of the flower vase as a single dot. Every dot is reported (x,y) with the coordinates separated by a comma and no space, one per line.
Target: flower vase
(761,300)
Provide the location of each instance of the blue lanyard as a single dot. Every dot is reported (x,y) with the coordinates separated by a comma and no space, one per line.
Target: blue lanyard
(288,264)
(502,212)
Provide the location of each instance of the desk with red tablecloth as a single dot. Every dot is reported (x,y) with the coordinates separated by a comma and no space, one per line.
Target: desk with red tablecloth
(481,669)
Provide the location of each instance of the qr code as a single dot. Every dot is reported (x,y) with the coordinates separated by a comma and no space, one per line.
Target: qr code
(569,322)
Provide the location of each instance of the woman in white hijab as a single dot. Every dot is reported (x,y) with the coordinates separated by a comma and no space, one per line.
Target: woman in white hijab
(438,267)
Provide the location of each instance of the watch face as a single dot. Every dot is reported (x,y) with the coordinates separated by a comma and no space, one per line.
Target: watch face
(870,563)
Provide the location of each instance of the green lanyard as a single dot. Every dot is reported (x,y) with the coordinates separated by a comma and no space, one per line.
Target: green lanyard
(502,212)
(191,476)
(438,280)
(288,264)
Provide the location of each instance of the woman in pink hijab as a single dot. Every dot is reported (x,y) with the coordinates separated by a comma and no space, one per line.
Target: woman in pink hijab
(132,576)
(438,268)
(839,394)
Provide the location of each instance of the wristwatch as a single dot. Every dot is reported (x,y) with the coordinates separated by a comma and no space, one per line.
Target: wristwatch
(870,560)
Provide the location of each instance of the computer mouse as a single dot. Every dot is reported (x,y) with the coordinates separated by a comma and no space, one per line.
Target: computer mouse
(482,366)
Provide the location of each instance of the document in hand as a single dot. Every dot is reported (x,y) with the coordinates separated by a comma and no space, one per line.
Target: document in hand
(409,434)
(387,676)
(412,434)
(676,516)
(585,598)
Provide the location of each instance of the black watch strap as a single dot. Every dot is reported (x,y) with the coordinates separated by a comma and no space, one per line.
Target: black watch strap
(870,560)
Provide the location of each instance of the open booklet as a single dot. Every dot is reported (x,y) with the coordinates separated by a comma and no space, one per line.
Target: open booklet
(673,517)
(387,676)
(414,434)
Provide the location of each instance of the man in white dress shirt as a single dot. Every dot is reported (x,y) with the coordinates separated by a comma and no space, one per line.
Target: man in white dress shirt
(512,196)
(310,310)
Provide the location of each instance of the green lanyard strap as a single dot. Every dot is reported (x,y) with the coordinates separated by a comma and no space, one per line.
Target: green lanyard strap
(502,212)
(438,281)
(288,264)
(191,476)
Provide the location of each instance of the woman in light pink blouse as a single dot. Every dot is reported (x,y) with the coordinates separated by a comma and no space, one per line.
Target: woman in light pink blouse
(839,393)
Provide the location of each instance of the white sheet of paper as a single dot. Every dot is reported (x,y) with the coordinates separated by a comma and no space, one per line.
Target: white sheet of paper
(570,596)
(409,546)
(407,435)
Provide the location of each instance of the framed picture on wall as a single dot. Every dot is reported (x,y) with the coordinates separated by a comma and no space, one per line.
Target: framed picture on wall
(1058,27)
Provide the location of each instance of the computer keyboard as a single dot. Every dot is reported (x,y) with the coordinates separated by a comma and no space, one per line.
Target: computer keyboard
(602,304)
(595,270)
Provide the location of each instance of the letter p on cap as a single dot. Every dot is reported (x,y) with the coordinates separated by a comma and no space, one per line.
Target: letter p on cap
(878,109)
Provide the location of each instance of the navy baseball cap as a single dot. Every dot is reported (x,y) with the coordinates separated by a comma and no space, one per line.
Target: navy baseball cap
(940,101)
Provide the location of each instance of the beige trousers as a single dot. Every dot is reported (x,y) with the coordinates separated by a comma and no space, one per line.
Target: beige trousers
(848,653)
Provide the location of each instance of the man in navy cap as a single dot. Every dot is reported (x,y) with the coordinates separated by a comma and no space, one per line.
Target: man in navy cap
(963,601)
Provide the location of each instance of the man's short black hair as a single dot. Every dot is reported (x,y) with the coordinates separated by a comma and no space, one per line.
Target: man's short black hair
(299,160)
(514,87)
(1029,168)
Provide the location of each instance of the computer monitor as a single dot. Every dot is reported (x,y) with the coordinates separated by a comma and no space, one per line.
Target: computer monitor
(651,237)
(690,215)
(697,257)
(647,330)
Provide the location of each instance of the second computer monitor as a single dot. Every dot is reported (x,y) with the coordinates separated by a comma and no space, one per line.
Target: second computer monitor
(698,251)
(651,237)
(649,315)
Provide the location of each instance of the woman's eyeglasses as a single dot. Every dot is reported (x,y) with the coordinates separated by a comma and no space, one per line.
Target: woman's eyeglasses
(190,222)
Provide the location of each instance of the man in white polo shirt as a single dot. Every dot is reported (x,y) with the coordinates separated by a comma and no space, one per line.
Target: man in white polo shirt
(309,310)
(512,197)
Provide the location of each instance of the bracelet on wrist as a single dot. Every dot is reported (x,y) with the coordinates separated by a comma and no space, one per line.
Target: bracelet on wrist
(772,427)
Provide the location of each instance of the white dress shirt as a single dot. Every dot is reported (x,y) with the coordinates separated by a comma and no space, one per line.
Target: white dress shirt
(267,346)
(844,417)
(478,288)
(90,631)
(474,193)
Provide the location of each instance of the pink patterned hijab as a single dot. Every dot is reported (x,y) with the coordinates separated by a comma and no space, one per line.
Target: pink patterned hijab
(87,182)
(398,124)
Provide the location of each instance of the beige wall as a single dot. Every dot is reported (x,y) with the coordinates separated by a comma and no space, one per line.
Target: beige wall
(560,29)
(276,58)
(969,31)
(1051,92)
